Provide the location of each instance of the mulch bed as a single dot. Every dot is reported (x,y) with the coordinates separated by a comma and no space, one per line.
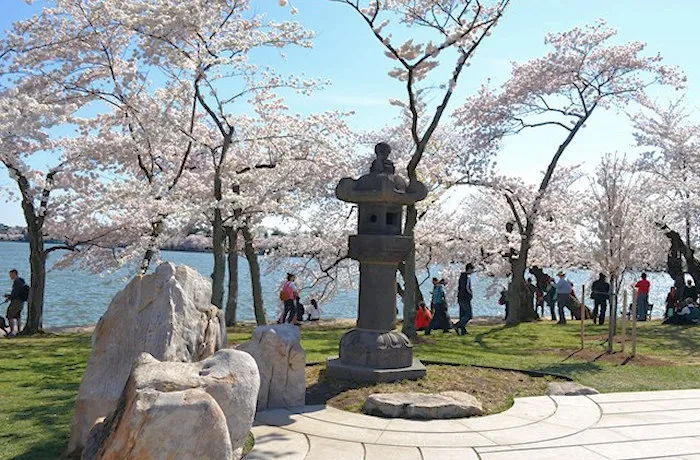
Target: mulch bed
(494,388)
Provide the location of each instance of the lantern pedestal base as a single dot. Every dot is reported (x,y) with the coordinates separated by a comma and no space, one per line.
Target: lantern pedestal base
(338,370)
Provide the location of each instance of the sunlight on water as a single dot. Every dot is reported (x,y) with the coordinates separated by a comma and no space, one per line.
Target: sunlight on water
(76,297)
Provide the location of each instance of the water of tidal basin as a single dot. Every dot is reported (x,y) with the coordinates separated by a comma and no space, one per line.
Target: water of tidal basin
(77,297)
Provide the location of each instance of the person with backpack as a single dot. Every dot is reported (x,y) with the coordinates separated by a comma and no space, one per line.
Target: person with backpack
(19,295)
(289,295)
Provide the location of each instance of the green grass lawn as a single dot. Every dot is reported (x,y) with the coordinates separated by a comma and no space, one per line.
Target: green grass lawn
(39,377)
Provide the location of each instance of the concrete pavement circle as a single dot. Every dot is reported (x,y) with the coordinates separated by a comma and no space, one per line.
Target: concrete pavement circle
(614,425)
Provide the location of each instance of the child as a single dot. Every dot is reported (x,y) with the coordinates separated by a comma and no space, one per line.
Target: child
(423,317)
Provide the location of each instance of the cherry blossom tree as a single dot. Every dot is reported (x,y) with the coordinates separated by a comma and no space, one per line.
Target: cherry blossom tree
(24,123)
(186,123)
(671,142)
(620,233)
(583,74)
(457,28)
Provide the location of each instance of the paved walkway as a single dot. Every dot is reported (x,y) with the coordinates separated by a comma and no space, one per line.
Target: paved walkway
(663,424)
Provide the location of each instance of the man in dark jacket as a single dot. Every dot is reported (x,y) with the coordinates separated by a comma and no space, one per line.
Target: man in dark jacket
(464,299)
(17,298)
(690,291)
(600,291)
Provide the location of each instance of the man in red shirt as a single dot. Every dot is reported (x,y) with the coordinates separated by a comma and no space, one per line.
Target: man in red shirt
(643,286)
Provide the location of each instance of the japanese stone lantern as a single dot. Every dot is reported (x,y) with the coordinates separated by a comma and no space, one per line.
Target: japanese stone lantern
(373,351)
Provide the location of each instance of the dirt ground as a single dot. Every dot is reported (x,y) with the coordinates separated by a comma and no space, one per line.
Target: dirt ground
(613,358)
(494,388)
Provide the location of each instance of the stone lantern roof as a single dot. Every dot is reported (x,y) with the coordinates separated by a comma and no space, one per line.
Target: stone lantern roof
(381,185)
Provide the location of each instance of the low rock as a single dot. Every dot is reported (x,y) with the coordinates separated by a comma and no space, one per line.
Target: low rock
(181,410)
(569,389)
(168,314)
(281,361)
(445,405)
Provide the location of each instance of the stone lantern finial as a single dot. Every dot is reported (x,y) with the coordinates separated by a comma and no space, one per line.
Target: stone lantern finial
(382,165)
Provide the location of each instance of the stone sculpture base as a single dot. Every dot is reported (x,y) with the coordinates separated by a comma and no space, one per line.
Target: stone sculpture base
(376,349)
(339,370)
(368,355)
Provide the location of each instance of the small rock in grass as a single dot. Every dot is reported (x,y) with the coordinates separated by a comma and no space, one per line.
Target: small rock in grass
(569,389)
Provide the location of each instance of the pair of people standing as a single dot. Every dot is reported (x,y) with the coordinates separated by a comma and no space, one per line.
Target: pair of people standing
(600,291)
(440,318)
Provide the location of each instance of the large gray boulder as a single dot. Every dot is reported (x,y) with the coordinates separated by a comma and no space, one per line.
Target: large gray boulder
(181,410)
(167,314)
(281,361)
(423,406)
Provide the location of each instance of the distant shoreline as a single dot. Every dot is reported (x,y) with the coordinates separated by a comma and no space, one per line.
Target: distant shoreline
(335,322)
(52,241)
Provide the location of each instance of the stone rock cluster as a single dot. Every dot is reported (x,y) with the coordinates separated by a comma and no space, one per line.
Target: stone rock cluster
(167,314)
(160,383)
(180,410)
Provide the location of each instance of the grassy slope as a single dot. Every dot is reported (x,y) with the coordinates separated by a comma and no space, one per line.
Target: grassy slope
(39,377)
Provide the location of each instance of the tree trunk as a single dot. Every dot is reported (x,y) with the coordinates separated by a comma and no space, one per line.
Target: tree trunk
(37,255)
(674,262)
(232,301)
(541,278)
(400,289)
(252,257)
(156,230)
(37,263)
(410,280)
(520,304)
(219,247)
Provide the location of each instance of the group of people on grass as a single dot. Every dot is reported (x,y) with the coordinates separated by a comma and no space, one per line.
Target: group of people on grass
(682,308)
(437,317)
(293,310)
(559,296)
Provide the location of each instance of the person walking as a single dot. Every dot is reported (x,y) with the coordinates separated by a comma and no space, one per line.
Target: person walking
(289,295)
(550,297)
(438,302)
(17,297)
(464,299)
(600,291)
(643,287)
(564,289)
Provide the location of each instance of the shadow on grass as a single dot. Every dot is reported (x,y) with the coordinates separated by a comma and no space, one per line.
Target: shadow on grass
(50,418)
(38,387)
(479,338)
(683,338)
(570,368)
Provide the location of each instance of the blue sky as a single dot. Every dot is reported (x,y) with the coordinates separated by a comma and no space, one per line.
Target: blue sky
(346,53)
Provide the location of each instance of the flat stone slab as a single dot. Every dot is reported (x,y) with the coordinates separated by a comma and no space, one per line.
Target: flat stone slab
(569,389)
(423,406)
